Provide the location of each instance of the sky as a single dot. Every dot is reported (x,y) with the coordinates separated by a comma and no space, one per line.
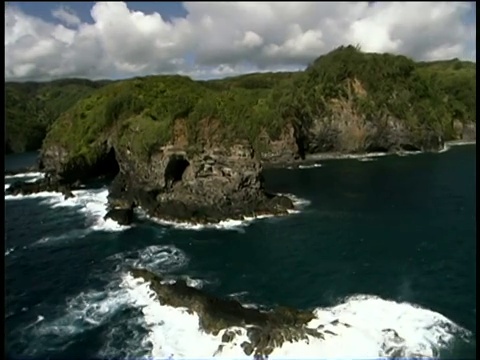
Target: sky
(115,40)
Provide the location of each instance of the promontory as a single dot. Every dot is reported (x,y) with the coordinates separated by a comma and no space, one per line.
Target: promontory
(193,150)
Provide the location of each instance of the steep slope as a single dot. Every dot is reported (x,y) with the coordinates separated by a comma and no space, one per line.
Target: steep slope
(171,161)
(30,108)
(191,150)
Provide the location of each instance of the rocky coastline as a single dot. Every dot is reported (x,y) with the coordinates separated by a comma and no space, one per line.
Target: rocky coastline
(175,184)
(178,185)
(266,330)
(257,332)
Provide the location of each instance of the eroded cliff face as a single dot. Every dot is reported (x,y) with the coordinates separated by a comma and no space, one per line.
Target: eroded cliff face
(209,186)
(349,133)
(202,182)
(466,132)
(344,129)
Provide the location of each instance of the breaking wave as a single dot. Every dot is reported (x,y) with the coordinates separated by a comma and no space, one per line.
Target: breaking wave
(134,324)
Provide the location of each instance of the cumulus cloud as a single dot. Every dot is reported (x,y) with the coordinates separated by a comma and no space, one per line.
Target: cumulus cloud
(218,39)
(66,15)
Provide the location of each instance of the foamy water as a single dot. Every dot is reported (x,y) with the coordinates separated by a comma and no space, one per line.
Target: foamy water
(305,166)
(28,176)
(91,202)
(360,326)
(367,334)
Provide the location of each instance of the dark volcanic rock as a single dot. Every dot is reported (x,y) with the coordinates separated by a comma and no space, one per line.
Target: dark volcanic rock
(207,187)
(199,183)
(266,330)
(45,184)
(121,216)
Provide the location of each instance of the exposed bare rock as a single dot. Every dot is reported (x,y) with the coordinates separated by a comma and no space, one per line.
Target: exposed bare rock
(266,330)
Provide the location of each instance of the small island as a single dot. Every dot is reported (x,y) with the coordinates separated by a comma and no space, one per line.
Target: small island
(193,151)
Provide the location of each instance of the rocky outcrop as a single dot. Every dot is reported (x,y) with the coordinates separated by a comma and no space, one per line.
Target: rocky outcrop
(466,132)
(349,133)
(177,182)
(266,330)
(46,184)
(123,216)
(64,167)
(204,187)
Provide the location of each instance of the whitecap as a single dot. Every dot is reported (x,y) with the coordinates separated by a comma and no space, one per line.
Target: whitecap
(157,258)
(360,327)
(311,166)
(31,176)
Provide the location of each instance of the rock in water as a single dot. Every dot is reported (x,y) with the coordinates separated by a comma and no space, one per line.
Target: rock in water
(121,216)
(198,183)
(205,187)
(266,330)
(47,184)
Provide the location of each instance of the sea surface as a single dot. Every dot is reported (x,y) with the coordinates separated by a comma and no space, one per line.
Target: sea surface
(378,243)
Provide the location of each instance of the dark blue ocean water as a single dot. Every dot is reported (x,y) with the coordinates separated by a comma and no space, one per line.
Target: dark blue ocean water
(389,243)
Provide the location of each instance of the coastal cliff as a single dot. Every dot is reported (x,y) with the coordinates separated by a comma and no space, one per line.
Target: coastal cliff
(193,151)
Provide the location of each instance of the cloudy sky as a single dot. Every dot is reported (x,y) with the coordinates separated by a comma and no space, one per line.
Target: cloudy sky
(45,40)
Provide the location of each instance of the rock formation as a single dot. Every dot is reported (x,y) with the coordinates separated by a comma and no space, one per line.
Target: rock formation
(46,184)
(175,183)
(265,330)
(209,186)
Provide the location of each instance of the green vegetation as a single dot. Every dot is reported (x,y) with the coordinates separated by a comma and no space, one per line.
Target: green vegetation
(139,114)
(456,79)
(30,108)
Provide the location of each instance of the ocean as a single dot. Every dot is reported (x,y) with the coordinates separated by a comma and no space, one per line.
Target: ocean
(379,243)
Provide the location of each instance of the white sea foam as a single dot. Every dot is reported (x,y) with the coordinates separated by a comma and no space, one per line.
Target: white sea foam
(91,202)
(366,329)
(93,308)
(39,195)
(139,326)
(28,176)
(304,166)
(9,251)
(160,258)
(85,311)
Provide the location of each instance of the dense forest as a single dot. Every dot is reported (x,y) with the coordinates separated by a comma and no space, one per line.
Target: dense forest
(343,101)
(30,108)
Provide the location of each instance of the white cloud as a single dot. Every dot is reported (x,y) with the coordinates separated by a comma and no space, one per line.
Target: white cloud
(228,38)
(66,15)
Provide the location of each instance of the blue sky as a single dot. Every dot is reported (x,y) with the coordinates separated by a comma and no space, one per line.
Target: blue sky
(168,9)
(220,39)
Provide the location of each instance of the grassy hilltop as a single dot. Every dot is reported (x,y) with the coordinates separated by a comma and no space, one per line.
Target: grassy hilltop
(345,101)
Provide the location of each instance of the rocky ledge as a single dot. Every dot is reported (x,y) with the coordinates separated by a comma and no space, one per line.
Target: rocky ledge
(266,330)
(46,184)
(175,183)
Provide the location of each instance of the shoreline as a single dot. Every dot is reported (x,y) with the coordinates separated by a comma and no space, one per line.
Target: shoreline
(312,159)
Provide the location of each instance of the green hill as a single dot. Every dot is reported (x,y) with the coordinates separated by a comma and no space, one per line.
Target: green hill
(346,101)
(30,108)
